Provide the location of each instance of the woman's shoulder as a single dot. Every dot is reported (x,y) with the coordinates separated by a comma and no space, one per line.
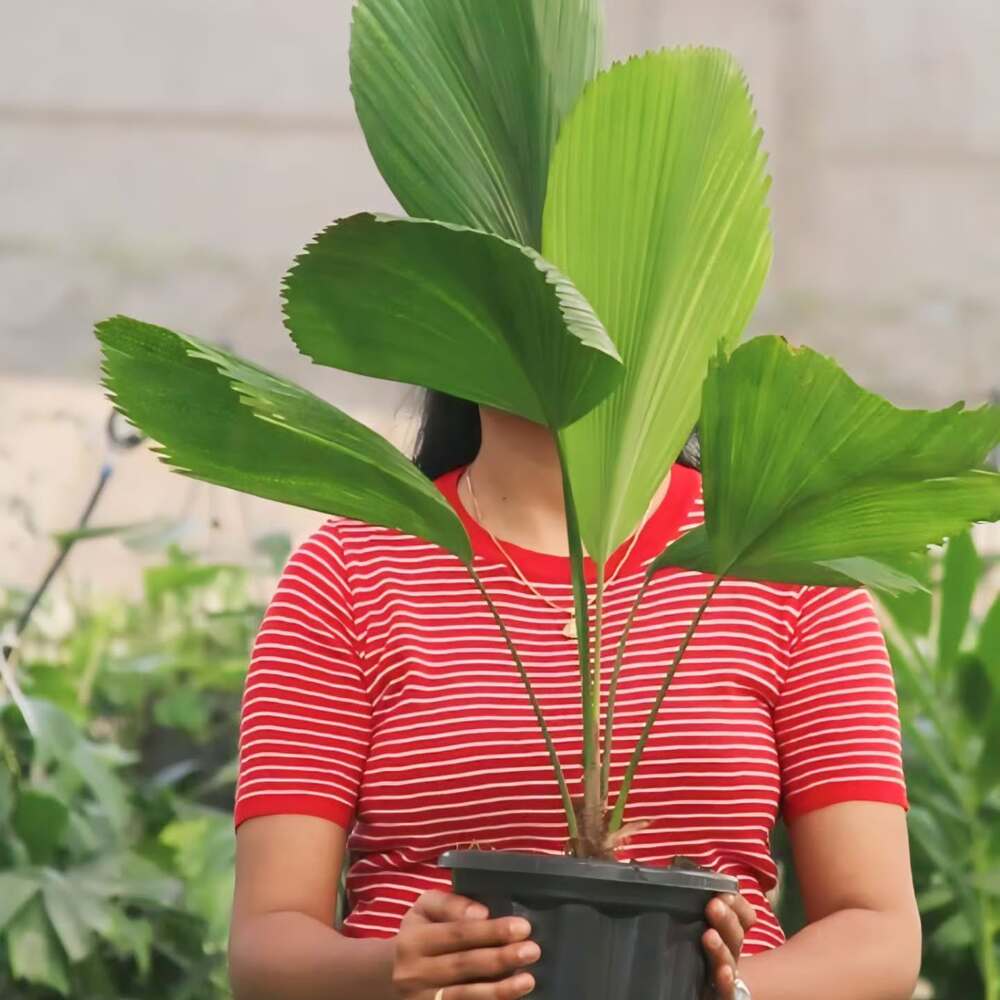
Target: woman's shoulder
(346,549)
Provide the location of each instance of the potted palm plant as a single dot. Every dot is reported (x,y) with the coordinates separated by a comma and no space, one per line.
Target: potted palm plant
(583,248)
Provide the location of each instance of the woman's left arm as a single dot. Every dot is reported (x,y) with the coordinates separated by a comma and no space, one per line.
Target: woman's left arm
(863,940)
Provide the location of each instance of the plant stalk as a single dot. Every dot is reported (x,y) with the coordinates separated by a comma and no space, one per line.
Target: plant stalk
(591,719)
(633,764)
(567,802)
(613,687)
(593,801)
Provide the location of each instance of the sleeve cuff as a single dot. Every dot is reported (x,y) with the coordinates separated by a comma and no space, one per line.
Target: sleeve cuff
(855,791)
(292,805)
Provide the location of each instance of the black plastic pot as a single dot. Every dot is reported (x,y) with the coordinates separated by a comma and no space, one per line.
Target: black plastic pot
(607,931)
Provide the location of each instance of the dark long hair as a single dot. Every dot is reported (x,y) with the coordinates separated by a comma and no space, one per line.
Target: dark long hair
(450,435)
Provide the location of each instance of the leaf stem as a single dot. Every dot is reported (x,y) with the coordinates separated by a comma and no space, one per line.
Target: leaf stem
(591,720)
(593,803)
(609,721)
(633,764)
(567,802)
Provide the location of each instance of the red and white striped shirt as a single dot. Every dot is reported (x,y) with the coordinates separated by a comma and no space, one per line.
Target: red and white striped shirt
(382,697)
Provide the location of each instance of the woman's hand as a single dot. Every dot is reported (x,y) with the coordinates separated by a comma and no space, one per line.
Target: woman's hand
(448,941)
(730,917)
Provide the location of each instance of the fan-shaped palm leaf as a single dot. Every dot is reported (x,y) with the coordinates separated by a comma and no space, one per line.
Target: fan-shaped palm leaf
(461,101)
(225,421)
(809,478)
(453,309)
(657,211)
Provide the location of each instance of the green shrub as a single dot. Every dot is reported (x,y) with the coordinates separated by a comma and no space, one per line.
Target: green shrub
(945,647)
(116,844)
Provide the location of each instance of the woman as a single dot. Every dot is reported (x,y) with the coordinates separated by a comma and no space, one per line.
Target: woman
(382,713)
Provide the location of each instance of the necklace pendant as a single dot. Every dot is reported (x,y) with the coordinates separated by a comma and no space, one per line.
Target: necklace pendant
(569,629)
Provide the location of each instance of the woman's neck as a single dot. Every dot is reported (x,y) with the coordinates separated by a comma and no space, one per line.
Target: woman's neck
(518,484)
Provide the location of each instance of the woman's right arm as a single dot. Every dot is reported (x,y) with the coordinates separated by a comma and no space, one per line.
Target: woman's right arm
(283,946)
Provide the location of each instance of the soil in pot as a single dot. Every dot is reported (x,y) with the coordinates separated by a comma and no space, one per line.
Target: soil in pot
(607,930)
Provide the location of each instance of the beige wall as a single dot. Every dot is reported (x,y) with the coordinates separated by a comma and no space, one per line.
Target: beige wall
(169,159)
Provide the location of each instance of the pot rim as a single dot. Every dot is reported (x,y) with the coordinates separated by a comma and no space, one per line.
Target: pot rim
(592,869)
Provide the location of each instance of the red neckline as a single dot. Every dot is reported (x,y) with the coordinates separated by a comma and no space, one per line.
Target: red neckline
(661,529)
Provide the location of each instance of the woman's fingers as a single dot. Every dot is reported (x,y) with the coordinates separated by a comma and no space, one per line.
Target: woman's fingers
(730,916)
(723,915)
(509,989)
(463,935)
(448,942)
(743,909)
(484,955)
(721,959)
(722,983)
(438,907)
(477,964)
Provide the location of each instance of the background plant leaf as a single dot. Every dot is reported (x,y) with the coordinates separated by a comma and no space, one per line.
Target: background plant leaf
(461,101)
(75,915)
(275,547)
(33,950)
(130,876)
(7,799)
(657,211)
(59,741)
(451,309)
(913,611)
(962,568)
(15,891)
(204,846)
(989,641)
(803,467)
(988,769)
(973,687)
(40,820)
(955,933)
(228,422)
(138,530)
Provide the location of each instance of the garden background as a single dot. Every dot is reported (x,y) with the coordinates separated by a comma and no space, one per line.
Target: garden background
(168,161)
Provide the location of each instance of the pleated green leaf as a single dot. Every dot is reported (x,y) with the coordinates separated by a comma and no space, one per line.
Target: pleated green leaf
(461,101)
(450,308)
(657,211)
(890,574)
(223,420)
(806,473)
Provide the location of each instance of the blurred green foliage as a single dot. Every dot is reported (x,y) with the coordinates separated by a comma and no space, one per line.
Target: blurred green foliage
(116,844)
(946,655)
(945,648)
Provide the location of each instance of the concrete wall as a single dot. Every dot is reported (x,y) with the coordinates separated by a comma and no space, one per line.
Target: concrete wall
(168,160)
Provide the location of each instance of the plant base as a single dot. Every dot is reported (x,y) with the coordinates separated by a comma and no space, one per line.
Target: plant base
(607,930)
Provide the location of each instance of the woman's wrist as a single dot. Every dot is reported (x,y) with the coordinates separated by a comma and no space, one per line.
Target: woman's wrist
(291,956)
(745,974)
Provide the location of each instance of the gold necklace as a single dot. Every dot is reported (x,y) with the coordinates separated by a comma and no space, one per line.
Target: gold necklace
(569,629)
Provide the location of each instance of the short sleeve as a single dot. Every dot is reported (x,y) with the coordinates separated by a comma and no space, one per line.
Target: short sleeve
(305,720)
(837,718)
